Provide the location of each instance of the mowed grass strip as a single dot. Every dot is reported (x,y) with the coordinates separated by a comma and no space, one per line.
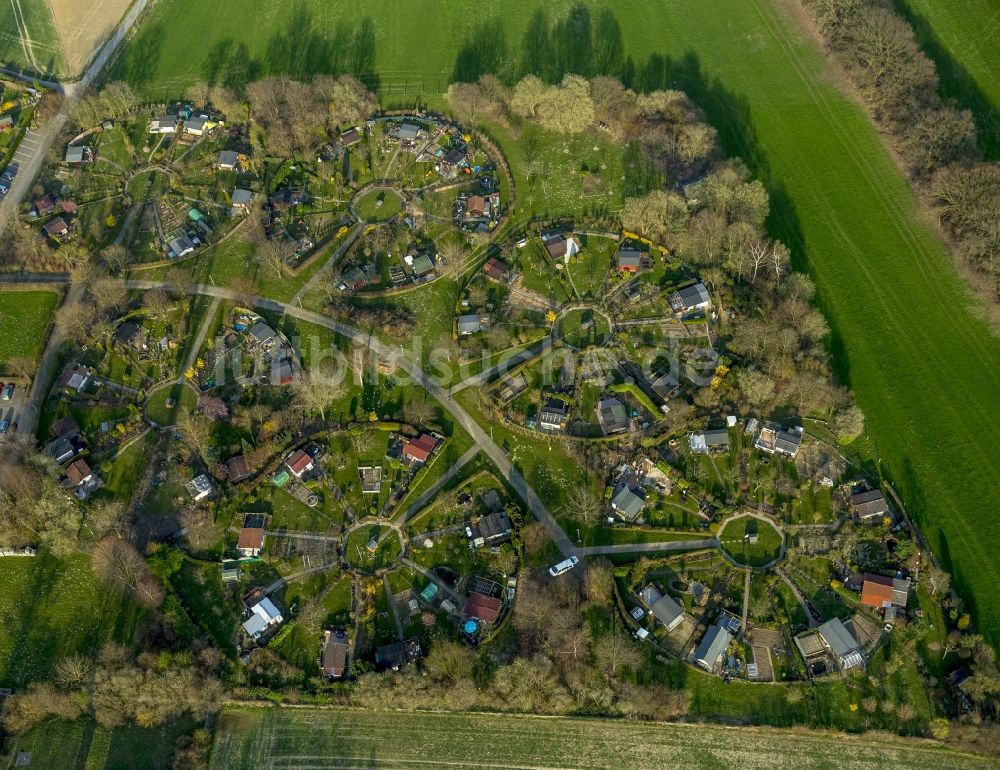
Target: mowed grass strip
(262,739)
(24,319)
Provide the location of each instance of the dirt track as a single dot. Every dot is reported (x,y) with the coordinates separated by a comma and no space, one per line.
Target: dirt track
(82,25)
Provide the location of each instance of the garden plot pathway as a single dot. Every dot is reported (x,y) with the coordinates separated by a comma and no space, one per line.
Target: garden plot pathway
(337,254)
(433,578)
(392,606)
(421,502)
(482,439)
(503,367)
(199,340)
(299,575)
(670,545)
(798,595)
(295,535)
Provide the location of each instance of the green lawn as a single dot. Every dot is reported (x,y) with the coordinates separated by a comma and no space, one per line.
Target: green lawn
(734,538)
(961,37)
(52,608)
(590,266)
(378,205)
(199,586)
(24,318)
(184,398)
(584,327)
(362,557)
(265,739)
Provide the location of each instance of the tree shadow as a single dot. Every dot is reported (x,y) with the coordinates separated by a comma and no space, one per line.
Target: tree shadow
(484,52)
(142,58)
(303,49)
(956,82)
(230,64)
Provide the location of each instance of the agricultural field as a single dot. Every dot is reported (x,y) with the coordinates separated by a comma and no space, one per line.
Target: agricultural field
(82,26)
(273,738)
(965,49)
(28,37)
(24,319)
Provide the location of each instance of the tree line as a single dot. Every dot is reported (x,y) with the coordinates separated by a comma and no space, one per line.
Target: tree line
(935,140)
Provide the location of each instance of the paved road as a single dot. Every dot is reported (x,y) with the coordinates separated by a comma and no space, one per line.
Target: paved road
(58,278)
(418,505)
(672,545)
(340,251)
(42,139)
(391,353)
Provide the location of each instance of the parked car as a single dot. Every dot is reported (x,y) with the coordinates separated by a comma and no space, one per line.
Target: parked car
(7,392)
(564,566)
(3,426)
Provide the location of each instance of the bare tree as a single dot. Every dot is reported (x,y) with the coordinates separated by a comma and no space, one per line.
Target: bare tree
(361,441)
(419,412)
(156,303)
(116,258)
(107,294)
(313,392)
(119,563)
(582,504)
(615,650)
(195,434)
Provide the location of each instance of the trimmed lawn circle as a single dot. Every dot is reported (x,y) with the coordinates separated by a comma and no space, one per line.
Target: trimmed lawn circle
(751,541)
(583,327)
(364,558)
(184,399)
(378,205)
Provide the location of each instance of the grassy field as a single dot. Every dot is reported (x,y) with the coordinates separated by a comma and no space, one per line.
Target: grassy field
(39,50)
(58,745)
(961,37)
(24,318)
(923,367)
(274,738)
(51,608)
